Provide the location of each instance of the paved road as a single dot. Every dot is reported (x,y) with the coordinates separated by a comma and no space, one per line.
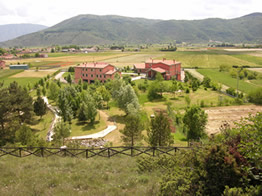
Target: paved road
(59,76)
(100,134)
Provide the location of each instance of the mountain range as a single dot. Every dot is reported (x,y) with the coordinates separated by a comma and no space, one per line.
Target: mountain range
(11,31)
(93,29)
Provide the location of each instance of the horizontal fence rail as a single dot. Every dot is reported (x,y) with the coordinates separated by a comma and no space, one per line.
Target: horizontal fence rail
(88,152)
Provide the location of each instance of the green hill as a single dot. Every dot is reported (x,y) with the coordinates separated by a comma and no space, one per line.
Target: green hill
(92,29)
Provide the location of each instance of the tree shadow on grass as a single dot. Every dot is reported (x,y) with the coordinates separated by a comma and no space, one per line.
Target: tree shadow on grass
(118,119)
(85,126)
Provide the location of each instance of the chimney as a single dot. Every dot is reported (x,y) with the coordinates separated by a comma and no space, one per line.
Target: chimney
(164,59)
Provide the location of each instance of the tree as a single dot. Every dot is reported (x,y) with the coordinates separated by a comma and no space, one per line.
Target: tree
(62,130)
(195,120)
(21,103)
(69,78)
(256,96)
(153,91)
(159,133)
(104,93)
(132,130)
(206,82)
(24,135)
(40,107)
(127,99)
(82,113)
(65,107)
(88,108)
(53,91)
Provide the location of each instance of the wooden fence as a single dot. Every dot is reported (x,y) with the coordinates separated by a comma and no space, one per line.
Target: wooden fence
(88,152)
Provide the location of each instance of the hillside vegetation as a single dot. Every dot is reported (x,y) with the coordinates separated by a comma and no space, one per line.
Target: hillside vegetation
(92,29)
(11,31)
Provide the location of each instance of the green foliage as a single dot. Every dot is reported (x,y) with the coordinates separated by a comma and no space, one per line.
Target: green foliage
(125,96)
(206,82)
(133,129)
(195,120)
(69,79)
(24,135)
(53,91)
(231,91)
(40,107)
(61,131)
(256,96)
(221,170)
(159,133)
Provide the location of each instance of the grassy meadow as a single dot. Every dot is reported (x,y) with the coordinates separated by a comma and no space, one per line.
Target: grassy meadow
(225,78)
(75,176)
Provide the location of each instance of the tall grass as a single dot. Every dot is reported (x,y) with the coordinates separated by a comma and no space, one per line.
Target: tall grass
(70,176)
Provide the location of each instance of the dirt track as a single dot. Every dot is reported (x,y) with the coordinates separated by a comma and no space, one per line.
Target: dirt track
(229,114)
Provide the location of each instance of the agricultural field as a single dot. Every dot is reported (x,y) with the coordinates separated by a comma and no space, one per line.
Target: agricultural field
(213,59)
(225,78)
(62,60)
(133,58)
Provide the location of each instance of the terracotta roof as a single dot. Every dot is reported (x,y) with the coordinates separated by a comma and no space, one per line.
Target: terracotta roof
(110,72)
(167,62)
(160,70)
(140,66)
(94,65)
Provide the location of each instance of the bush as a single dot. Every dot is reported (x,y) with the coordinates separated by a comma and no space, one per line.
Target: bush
(256,96)
(231,91)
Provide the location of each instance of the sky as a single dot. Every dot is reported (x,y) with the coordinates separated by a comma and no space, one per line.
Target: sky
(51,12)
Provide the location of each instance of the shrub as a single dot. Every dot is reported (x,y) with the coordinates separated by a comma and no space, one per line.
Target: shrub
(256,96)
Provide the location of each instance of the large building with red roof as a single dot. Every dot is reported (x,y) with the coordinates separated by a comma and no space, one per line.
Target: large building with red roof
(89,72)
(167,68)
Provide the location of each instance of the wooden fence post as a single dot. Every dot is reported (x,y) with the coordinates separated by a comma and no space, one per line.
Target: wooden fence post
(42,151)
(20,152)
(154,148)
(108,152)
(86,153)
(132,151)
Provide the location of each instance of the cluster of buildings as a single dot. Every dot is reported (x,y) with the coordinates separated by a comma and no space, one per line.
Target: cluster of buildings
(89,72)
(167,68)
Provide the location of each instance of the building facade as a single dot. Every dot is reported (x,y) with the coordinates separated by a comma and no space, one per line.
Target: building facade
(22,66)
(89,72)
(167,68)
(2,64)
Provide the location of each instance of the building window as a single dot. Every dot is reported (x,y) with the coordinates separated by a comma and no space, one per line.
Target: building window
(100,70)
(83,75)
(100,76)
(86,69)
(86,75)
(97,76)
(83,69)
(91,69)
(104,76)
(91,75)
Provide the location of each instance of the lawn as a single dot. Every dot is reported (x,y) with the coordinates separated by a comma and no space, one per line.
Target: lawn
(84,128)
(42,126)
(21,81)
(225,78)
